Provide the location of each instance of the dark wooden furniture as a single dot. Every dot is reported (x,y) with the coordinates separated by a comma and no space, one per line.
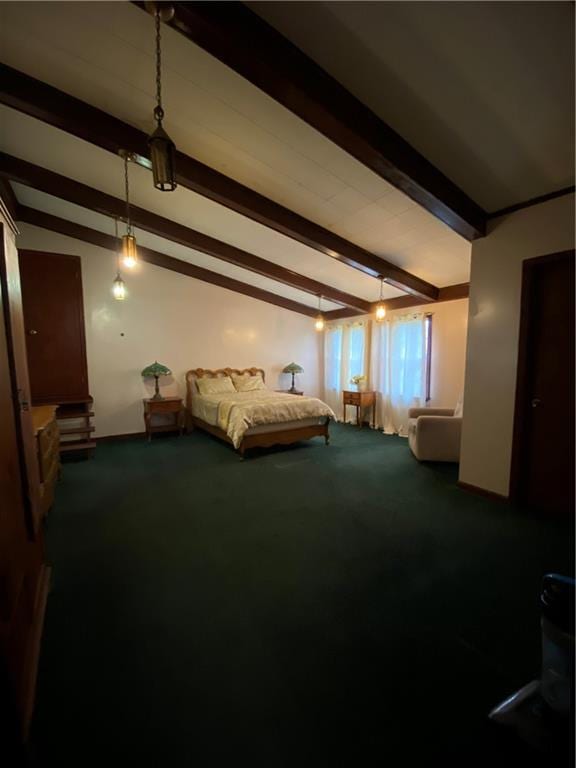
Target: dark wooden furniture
(171,406)
(542,476)
(24,576)
(262,440)
(290,391)
(360,400)
(56,346)
(47,436)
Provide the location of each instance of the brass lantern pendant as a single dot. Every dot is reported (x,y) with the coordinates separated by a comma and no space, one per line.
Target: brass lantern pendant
(162,148)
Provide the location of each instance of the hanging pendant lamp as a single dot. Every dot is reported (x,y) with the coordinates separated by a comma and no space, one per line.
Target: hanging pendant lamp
(118,286)
(129,251)
(380,307)
(162,148)
(319,324)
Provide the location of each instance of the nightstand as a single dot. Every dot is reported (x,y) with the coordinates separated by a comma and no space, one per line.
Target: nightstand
(289,391)
(361,400)
(168,405)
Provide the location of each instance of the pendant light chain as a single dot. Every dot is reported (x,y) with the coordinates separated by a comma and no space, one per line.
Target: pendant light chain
(117,244)
(127,191)
(158,111)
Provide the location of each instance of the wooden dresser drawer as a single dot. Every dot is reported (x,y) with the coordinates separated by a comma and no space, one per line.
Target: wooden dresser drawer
(352,398)
(165,406)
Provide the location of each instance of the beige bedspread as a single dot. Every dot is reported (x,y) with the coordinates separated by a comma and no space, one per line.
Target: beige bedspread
(239,411)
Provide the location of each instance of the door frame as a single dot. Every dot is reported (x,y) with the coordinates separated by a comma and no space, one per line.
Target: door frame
(527,314)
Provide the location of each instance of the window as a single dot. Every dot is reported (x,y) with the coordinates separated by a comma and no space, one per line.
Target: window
(345,350)
(428,354)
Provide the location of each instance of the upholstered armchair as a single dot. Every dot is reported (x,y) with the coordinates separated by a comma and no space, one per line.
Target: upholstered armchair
(434,433)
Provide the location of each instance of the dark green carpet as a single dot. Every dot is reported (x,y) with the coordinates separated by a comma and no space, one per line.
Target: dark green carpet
(308,606)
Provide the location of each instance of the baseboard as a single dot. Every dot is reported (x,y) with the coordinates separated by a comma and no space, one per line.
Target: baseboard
(482,492)
(114,438)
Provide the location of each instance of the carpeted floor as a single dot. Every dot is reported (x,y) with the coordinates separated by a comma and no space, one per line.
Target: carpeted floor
(338,606)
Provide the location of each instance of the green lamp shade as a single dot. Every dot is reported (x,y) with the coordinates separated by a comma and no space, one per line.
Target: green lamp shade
(156,369)
(293,368)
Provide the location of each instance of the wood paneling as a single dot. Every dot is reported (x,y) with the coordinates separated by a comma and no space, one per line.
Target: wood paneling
(56,108)
(94,200)
(284,72)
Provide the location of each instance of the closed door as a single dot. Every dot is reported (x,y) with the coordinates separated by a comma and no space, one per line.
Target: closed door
(54,321)
(544,436)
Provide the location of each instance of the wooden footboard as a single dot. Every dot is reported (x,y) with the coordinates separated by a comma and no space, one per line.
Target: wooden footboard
(268,439)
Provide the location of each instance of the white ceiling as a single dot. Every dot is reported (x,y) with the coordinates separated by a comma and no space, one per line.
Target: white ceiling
(484,90)
(103,54)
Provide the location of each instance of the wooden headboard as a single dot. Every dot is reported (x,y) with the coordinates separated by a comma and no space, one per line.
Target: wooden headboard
(199,373)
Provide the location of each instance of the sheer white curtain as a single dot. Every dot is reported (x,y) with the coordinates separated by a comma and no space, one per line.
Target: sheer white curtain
(345,355)
(399,370)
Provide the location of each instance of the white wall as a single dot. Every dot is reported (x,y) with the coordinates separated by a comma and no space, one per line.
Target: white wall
(181,322)
(493,327)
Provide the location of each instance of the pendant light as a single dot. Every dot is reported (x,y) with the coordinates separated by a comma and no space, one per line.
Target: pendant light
(319,324)
(129,252)
(380,307)
(118,286)
(162,149)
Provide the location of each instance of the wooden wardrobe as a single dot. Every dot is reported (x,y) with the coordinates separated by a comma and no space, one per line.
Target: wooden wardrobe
(24,575)
(55,339)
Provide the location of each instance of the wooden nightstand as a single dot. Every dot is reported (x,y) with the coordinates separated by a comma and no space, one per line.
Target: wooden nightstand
(289,392)
(360,400)
(170,405)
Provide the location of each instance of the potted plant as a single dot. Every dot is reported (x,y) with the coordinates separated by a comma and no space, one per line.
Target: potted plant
(359,381)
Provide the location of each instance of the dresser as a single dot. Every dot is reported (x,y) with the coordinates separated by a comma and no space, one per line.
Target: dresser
(360,400)
(47,437)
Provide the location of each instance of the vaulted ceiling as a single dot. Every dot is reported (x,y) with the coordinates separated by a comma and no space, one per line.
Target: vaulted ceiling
(103,55)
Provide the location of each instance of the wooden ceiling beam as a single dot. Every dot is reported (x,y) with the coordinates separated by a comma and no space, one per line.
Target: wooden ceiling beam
(42,101)
(448,293)
(276,66)
(74,192)
(109,242)
(9,198)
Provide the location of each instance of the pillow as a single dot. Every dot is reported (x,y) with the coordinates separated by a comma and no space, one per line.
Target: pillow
(248,383)
(459,408)
(215,386)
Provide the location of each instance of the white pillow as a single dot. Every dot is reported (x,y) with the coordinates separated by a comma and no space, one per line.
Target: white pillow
(248,383)
(459,408)
(215,386)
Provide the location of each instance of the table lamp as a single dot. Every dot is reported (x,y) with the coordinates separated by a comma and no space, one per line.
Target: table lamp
(156,370)
(293,368)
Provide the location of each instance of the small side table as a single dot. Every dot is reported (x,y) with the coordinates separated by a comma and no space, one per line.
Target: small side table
(171,405)
(360,400)
(290,391)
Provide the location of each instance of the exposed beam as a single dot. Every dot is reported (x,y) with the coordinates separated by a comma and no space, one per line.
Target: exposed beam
(532,201)
(42,101)
(9,198)
(150,256)
(74,192)
(448,293)
(280,69)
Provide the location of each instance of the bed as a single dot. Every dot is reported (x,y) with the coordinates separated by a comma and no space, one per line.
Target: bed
(253,419)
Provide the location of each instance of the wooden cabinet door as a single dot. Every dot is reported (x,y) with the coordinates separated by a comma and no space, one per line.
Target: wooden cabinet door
(54,321)
(16,341)
(23,573)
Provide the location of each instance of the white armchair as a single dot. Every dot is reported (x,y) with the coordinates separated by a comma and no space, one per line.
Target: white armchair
(434,434)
